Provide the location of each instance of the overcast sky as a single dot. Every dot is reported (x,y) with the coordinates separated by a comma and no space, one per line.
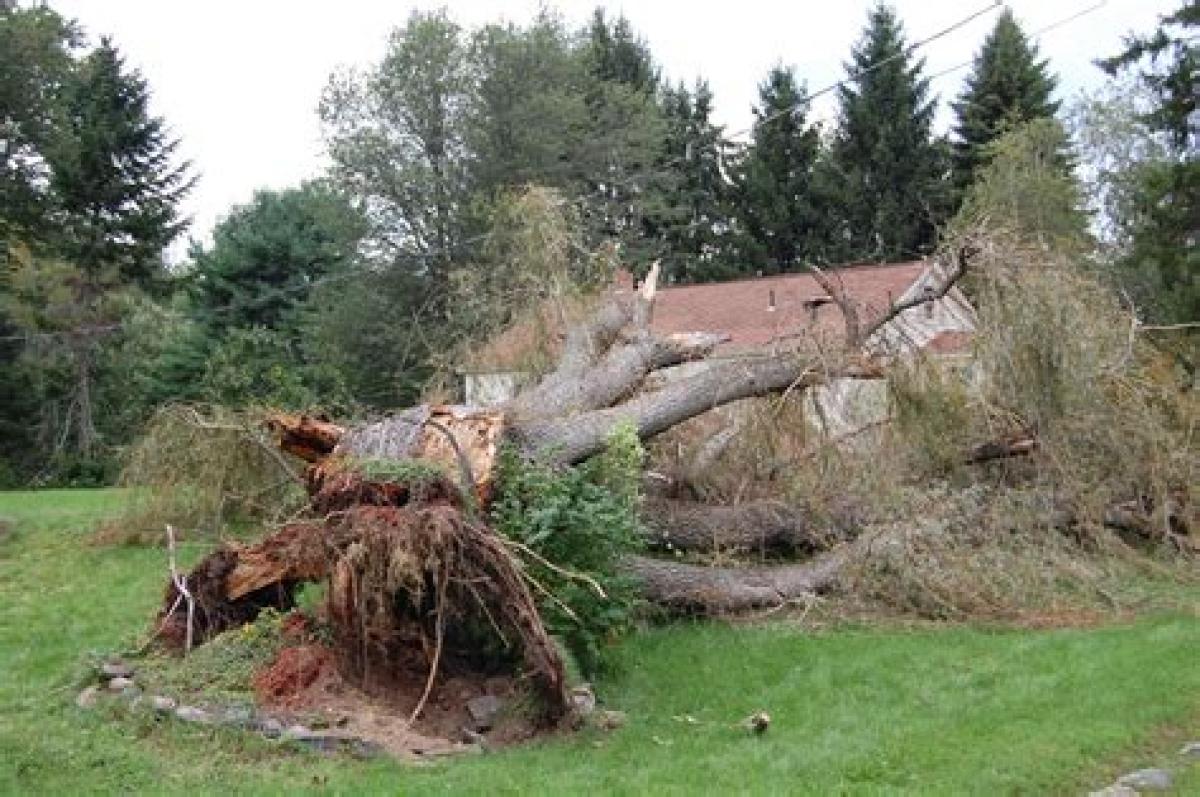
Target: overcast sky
(238,80)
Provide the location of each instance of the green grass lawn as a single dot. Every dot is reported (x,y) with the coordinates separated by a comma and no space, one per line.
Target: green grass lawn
(860,711)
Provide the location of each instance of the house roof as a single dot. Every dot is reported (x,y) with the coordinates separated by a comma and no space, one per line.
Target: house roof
(742,309)
(758,311)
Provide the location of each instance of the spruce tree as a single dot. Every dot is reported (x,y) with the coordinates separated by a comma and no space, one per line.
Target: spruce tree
(114,175)
(777,211)
(1163,261)
(1008,86)
(886,168)
(695,237)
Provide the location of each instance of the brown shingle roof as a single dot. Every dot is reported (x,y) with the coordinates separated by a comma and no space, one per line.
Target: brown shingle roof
(741,309)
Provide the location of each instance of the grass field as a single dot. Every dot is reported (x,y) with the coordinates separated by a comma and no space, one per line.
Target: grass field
(855,710)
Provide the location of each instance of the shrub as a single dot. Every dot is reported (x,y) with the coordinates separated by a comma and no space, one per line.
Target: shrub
(577,522)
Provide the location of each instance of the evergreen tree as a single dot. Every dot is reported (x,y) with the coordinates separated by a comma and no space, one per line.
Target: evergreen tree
(626,193)
(887,170)
(1163,262)
(616,54)
(114,176)
(36,48)
(777,209)
(696,236)
(267,255)
(1008,86)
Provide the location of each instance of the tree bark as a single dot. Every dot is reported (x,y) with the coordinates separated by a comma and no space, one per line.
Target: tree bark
(568,440)
(714,590)
(757,526)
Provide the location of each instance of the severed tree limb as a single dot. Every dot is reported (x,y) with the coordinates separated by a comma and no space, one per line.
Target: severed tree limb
(848,307)
(614,376)
(571,439)
(584,345)
(961,262)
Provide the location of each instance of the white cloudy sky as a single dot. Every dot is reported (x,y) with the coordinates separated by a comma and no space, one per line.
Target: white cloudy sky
(239,80)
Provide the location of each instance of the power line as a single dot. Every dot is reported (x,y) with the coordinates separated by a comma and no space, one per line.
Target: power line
(905,53)
(1035,34)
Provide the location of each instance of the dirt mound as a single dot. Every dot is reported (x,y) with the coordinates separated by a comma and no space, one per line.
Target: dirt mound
(299,677)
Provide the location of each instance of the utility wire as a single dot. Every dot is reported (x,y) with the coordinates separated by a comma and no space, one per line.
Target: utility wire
(424,256)
(905,53)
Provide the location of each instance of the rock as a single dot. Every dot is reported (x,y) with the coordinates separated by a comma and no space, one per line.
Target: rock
(297,733)
(163,705)
(1190,750)
(115,669)
(271,728)
(120,684)
(1147,780)
(193,714)
(1115,790)
(608,720)
(583,699)
(88,697)
(238,716)
(472,737)
(483,710)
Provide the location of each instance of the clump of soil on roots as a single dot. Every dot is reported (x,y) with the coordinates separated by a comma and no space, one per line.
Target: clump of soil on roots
(425,611)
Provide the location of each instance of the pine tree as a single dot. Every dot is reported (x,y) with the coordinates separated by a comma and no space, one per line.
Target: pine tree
(1163,262)
(699,224)
(267,255)
(617,54)
(1007,87)
(777,210)
(887,169)
(36,48)
(114,176)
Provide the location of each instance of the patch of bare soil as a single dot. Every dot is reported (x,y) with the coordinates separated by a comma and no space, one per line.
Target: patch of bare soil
(304,685)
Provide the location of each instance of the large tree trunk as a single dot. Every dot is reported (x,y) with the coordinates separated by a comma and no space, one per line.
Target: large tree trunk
(730,589)
(755,526)
(571,414)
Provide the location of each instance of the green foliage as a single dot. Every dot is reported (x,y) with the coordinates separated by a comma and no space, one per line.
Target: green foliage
(256,367)
(221,669)
(1007,87)
(1023,188)
(1029,711)
(1162,264)
(1168,63)
(884,171)
(696,227)
(400,471)
(113,173)
(581,519)
(779,211)
(37,49)
(266,256)
(395,135)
